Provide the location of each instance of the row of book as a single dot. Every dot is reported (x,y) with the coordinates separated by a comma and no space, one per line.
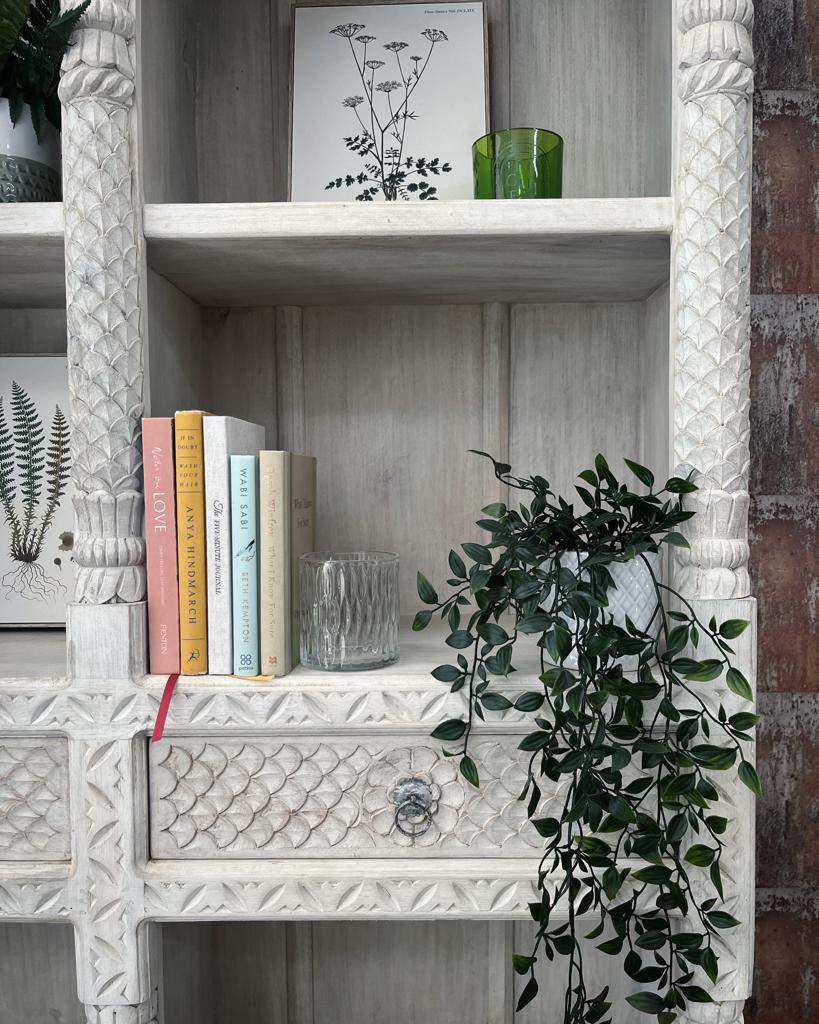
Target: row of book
(225,524)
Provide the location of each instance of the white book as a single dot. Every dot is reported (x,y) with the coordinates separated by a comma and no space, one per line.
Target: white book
(223,436)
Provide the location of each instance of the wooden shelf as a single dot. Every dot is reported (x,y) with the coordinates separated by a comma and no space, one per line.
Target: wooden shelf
(261,254)
(419,654)
(32,655)
(31,255)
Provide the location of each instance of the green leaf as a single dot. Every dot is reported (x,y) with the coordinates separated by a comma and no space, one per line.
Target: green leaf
(421,620)
(647,1002)
(496,509)
(700,855)
(654,874)
(611,946)
(678,486)
(446,673)
(706,670)
(621,810)
(451,729)
(426,591)
(528,994)
(747,774)
(13,15)
(732,628)
(493,634)
(743,720)
(469,770)
(738,684)
(535,623)
(708,962)
(495,702)
(478,553)
(645,476)
(529,701)
(460,639)
(720,919)
(456,565)
(547,827)
(717,824)
(676,540)
(521,963)
(696,994)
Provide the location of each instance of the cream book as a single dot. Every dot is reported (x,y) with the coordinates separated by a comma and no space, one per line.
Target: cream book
(287,498)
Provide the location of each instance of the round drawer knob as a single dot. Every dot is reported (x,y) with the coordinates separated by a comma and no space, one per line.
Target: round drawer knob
(413,801)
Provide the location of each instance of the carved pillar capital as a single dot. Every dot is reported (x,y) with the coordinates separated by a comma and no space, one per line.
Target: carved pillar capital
(102,257)
(712,271)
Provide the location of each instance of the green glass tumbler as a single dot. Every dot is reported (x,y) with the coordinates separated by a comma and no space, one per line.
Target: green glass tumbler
(518,163)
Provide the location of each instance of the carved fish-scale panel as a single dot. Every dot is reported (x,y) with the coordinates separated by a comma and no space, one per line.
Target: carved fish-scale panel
(264,797)
(34,799)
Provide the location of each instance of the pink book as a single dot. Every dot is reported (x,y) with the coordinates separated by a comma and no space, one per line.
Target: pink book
(160,542)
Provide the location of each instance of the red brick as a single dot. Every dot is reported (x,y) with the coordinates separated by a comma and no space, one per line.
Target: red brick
(786,975)
(787,834)
(786,44)
(785,574)
(785,232)
(785,394)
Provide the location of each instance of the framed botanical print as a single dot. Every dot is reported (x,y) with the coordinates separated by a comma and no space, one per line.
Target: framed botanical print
(387,100)
(37,529)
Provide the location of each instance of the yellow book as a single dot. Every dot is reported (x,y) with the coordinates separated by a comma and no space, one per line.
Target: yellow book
(190,530)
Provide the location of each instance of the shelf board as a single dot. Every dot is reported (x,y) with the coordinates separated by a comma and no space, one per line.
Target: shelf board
(559,250)
(419,654)
(31,255)
(32,655)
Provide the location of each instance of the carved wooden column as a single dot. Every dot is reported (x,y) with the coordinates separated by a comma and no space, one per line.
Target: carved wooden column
(712,260)
(118,955)
(711,398)
(103,263)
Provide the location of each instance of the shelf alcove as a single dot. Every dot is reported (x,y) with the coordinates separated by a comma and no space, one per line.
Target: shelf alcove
(387,341)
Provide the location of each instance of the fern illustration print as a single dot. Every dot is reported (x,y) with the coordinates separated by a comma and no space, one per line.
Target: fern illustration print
(35,569)
(386,102)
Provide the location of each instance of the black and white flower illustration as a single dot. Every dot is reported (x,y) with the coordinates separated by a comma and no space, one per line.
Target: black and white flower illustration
(384,115)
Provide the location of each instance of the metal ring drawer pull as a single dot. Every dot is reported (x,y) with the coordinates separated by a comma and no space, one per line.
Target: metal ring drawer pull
(413,799)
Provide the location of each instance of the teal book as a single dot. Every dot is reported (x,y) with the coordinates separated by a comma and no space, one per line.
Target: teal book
(245,563)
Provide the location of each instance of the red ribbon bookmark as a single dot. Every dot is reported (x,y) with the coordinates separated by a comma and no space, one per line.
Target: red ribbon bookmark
(164,704)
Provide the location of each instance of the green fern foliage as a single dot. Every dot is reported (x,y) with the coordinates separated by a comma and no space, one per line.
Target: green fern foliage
(30,73)
(28,468)
(13,14)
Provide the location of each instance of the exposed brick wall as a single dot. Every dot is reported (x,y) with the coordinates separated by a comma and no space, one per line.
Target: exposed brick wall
(785,506)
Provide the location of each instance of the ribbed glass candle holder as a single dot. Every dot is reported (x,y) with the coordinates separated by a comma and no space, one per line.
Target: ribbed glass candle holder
(518,163)
(349,610)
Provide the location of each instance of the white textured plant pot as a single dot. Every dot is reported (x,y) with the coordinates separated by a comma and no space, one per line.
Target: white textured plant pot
(632,596)
(29,170)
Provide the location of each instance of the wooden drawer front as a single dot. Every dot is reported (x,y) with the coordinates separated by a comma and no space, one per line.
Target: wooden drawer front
(269,797)
(34,799)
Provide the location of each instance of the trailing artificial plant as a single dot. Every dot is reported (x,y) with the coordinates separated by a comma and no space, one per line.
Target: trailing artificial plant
(634,749)
(34,35)
(33,480)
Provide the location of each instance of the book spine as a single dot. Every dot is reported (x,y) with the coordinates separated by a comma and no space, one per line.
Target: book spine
(217,534)
(302,536)
(243,469)
(160,545)
(190,523)
(274,561)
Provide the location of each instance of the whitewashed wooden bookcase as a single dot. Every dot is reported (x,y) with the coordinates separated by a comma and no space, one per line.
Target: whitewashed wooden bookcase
(386,339)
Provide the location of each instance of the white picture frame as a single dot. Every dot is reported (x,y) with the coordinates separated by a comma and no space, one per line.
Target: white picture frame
(411,74)
(37,568)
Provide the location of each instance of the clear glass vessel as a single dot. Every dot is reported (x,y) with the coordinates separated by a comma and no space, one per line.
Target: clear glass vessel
(518,163)
(349,610)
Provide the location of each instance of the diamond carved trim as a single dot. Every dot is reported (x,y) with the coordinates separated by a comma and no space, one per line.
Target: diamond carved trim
(34,821)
